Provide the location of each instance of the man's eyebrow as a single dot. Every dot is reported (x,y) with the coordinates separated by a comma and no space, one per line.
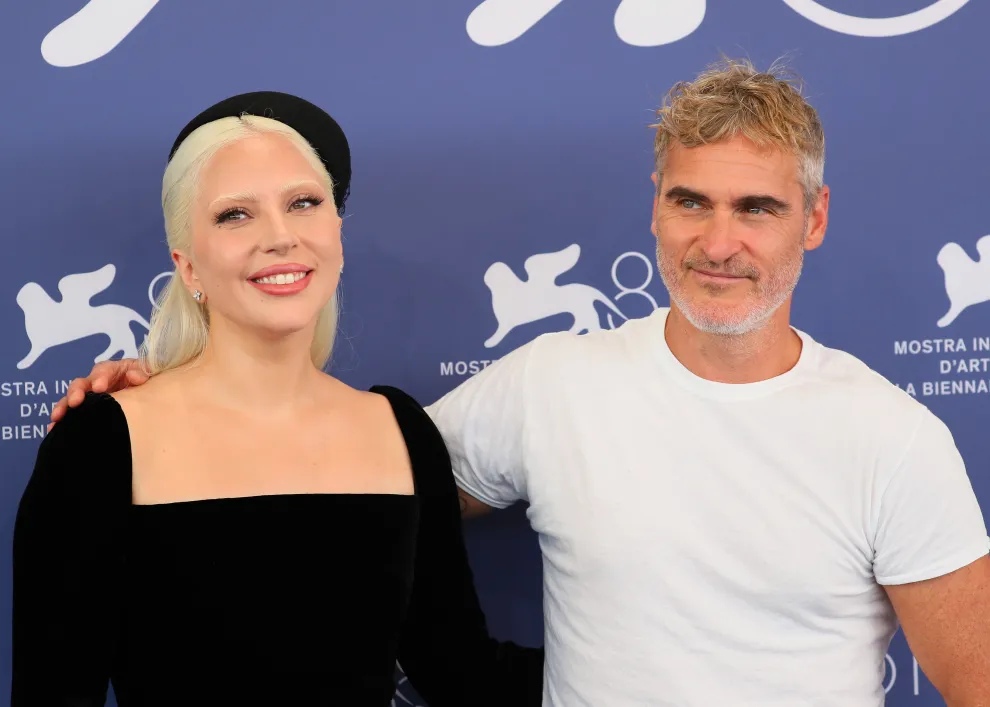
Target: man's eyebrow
(681,192)
(762,201)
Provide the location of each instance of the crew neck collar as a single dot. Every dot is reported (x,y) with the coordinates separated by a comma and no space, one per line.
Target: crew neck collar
(727,391)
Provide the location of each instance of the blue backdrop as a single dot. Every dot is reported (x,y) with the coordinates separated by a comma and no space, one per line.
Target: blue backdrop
(487,140)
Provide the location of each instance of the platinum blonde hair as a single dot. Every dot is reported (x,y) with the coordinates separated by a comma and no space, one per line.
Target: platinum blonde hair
(180,326)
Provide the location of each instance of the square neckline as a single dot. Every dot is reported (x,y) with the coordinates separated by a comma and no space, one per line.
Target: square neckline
(415,496)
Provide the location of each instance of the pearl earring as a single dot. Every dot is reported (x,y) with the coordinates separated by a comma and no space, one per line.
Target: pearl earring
(197,295)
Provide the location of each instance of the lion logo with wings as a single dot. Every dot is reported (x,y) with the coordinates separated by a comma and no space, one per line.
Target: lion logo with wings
(49,323)
(516,302)
(967,281)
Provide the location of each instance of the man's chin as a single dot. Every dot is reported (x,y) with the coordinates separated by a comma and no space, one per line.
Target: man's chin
(723,319)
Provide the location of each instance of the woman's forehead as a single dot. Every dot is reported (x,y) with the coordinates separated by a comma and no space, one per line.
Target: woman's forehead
(259,163)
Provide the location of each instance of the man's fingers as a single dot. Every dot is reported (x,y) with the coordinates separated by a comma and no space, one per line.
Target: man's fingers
(58,411)
(109,376)
(136,376)
(77,391)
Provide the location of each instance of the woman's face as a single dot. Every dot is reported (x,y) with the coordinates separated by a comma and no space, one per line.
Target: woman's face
(265,241)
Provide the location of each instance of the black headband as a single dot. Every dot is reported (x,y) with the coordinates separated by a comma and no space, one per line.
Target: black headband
(313,123)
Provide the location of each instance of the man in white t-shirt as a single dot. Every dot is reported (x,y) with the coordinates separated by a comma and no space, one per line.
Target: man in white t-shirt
(729,512)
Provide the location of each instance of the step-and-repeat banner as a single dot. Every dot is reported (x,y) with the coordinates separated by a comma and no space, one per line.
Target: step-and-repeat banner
(485,134)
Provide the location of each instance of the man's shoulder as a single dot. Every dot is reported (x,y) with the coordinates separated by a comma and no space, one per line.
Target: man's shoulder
(547,365)
(862,392)
(600,344)
(842,367)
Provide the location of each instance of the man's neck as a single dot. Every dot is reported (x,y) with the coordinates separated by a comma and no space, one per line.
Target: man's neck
(760,355)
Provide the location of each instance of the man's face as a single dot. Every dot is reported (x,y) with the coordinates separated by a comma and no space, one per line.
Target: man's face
(731,230)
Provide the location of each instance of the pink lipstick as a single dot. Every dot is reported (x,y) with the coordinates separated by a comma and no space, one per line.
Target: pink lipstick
(282,279)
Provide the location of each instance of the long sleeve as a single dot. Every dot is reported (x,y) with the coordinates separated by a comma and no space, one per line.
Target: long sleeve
(446,650)
(66,561)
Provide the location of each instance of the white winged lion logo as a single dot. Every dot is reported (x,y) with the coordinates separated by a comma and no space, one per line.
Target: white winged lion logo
(49,323)
(967,281)
(516,302)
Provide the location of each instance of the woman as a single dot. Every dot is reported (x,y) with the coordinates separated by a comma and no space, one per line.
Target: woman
(243,528)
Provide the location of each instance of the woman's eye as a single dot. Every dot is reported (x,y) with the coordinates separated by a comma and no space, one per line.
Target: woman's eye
(305,202)
(230,215)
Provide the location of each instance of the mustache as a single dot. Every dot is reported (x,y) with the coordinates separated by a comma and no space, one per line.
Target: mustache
(730,267)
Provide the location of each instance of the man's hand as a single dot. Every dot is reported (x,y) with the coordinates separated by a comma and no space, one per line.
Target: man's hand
(106,377)
(946,622)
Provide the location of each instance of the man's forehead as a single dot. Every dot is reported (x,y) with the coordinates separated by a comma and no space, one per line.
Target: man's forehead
(728,161)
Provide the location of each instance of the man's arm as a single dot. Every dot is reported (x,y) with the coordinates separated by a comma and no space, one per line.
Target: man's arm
(946,621)
(470,506)
(446,648)
(483,423)
(931,557)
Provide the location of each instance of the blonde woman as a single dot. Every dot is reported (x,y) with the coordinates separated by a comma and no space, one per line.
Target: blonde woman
(244,528)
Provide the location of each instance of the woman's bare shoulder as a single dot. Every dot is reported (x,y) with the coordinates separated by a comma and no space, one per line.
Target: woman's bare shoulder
(141,401)
(369,410)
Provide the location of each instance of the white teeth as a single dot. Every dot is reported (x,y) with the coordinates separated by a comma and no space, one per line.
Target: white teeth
(283,279)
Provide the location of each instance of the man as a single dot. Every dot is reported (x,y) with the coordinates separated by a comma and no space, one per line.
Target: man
(729,512)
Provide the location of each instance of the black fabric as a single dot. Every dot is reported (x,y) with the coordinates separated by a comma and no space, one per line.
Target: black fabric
(313,123)
(274,600)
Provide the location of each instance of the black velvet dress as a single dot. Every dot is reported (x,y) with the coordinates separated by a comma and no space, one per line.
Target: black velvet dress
(304,599)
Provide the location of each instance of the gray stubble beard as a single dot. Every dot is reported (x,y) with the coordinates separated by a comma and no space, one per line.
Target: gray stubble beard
(771,294)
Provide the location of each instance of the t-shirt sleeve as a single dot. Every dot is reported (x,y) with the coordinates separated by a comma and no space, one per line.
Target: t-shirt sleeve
(67,560)
(483,423)
(930,522)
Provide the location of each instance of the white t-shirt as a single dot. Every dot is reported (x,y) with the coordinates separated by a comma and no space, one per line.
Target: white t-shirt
(710,544)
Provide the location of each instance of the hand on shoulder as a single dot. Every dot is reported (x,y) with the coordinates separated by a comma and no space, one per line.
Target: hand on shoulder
(106,377)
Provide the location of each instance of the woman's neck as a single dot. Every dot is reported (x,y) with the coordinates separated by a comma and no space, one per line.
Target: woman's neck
(238,370)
